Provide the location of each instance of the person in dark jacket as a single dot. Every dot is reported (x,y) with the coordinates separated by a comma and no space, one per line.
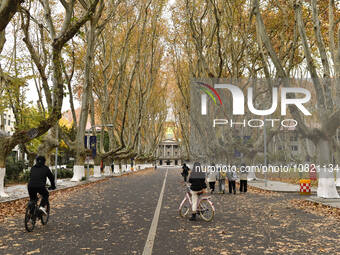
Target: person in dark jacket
(232,177)
(197,180)
(185,172)
(37,182)
(243,178)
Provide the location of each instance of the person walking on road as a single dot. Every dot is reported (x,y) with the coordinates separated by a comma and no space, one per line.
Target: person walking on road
(232,176)
(37,182)
(211,178)
(185,172)
(197,180)
(221,181)
(243,178)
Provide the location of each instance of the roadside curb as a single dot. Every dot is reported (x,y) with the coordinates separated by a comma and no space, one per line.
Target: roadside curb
(310,198)
(327,201)
(282,191)
(59,189)
(81,183)
(277,191)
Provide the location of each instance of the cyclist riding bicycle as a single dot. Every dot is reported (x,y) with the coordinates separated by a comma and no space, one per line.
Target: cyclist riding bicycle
(197,180)
(37,183)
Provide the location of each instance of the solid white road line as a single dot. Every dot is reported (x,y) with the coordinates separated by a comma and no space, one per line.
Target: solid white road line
(153,228)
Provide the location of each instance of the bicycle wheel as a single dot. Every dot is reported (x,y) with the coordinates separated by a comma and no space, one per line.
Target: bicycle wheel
(30,218)
(206,210)
(184,208)
(44,217)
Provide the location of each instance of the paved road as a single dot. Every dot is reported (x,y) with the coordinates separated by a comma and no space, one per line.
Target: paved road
(114,217)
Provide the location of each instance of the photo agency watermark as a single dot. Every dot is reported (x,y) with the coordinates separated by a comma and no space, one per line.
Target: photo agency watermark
(270,168)
(222,93)
(228,117)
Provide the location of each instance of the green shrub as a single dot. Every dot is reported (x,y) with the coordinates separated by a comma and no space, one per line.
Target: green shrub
(14,169)
(70,164)
(24,176)
(62,174)
(65,173)
(18,172)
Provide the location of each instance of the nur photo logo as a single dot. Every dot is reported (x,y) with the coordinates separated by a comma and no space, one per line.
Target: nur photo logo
(276,99)
(207,91)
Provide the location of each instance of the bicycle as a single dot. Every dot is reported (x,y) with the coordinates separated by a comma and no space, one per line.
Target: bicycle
(205,207)
(33,213)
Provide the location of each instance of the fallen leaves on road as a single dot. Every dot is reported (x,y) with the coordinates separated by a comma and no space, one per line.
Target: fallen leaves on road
(33,252)
(12,208)
(252,189)
(316,208)
(140,172)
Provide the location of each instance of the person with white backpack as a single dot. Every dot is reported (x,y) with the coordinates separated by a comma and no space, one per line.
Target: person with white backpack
(212,177)
(221,180)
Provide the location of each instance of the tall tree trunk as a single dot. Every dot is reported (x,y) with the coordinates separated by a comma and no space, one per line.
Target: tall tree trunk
(78,169)
(107,166)
(96,167)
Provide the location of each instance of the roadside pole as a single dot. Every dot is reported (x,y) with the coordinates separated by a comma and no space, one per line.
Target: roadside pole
(88,168)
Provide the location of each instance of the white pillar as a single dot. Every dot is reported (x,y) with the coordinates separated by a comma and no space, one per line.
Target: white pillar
(337,178)
(116,169)
(326,183)
(78,173)
(124,168)
(326,187)
(107,171)
(2,182)
(96,171)
(128,167)
(337,182)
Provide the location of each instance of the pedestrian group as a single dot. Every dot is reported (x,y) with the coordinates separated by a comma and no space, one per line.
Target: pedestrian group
(199,180)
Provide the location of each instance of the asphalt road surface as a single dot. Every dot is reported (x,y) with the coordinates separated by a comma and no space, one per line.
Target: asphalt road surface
(137,214)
